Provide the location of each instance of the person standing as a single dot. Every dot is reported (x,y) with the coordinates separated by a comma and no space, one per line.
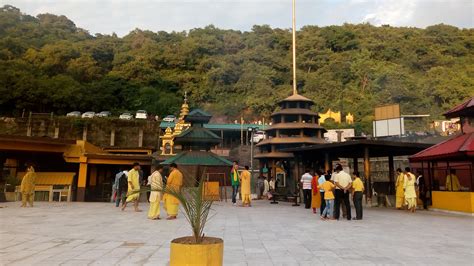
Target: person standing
(315,197)
(122,187)
(235,181)
(399,194)
(245,187)
(266,187)
(133,193)
(174,182)
(343,184)
(115,194)
(321,180)
(155,182)
(421,189)
(357,193)
(452,181)
(260,186)
(305,181)
(328,188)
(409,187)
(27,187)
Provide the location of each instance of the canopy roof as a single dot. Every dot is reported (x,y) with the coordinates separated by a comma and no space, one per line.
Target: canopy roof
(355,148)
(197,135)
(457,148)
(198,116)
(296,98)
(464,109)
(197,158)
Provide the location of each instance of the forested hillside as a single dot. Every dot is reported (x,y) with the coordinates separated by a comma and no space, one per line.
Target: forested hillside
(48,64)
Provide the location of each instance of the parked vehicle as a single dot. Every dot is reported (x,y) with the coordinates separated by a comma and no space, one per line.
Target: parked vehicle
(89,114)
(104,114)
(141,114)
(258,136)
(170,118)
(74,114)
(126,116)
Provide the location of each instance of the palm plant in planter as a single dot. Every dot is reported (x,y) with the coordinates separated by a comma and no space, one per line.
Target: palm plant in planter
(197,249)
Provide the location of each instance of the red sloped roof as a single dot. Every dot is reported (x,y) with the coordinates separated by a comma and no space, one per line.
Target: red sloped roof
(456,147)
(462,109)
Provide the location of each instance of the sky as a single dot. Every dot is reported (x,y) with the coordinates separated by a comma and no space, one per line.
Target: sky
(122,16)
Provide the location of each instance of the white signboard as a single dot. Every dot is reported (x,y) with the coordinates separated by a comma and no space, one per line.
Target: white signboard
(389,127)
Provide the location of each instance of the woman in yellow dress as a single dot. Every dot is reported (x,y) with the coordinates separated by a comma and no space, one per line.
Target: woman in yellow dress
(410,191)
(28,187)
(174,182)
(245,187)
(400,194)
(316,198)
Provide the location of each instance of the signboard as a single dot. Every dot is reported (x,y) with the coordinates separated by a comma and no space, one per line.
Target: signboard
(387,112)
(389,127)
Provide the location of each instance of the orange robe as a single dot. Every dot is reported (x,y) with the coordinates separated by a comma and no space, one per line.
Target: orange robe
(316,197)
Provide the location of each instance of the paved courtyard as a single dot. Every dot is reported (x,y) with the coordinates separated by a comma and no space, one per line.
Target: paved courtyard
(99,234)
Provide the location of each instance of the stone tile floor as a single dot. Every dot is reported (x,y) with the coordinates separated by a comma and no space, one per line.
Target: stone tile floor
(99,234)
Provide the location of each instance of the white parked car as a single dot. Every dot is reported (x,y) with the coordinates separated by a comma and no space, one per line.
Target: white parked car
(169,118)
(258,136)
(141,114)
(74,114)
(104,114)
(89,114)
(126,116)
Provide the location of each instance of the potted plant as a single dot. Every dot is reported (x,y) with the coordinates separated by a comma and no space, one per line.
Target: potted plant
(197,249)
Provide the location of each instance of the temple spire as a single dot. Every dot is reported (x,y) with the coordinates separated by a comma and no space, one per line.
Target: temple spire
(295,91)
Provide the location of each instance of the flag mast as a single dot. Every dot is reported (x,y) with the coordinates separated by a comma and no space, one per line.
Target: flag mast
(295,91)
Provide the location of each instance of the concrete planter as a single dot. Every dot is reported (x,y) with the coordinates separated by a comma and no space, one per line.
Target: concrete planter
(210,252)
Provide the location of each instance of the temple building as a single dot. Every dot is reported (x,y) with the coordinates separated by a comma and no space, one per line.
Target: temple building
(293,125)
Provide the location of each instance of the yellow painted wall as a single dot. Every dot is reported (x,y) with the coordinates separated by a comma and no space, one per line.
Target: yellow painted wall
(454,201)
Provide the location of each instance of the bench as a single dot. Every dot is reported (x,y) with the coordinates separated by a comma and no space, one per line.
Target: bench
(52,182)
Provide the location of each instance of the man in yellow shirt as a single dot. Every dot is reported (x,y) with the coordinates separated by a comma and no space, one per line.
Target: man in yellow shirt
(328,188)
(245,187)
(175,182)
(452,181)
(133,187)
(357,193)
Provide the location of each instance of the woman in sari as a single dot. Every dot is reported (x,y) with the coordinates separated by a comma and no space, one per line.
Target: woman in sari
(400,194)
(316,197)
(410,192)
(28,187)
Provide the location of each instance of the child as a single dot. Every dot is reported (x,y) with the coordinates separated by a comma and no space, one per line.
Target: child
(328,188)
(357,192)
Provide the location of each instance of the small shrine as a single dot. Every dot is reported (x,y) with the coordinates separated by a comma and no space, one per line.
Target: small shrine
(167,140)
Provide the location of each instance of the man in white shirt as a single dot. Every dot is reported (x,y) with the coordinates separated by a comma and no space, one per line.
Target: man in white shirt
(321,181)
(306,185)
(343,182)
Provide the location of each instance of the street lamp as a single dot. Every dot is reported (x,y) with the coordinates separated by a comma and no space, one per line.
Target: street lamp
(252,131)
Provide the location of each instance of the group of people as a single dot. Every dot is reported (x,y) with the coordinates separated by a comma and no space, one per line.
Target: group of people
(331,191)
(409,188)
(127,187)
(241,180)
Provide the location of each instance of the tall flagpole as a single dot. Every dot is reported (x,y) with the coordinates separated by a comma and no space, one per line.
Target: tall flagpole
(294,50)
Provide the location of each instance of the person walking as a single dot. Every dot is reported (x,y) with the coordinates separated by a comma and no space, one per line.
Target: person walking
(305,181)
(114,196)
(357,193)
(133,194)
(409,187)
(328,188)
(321,180)
(155,182)
(235,181)
(400,193)
(316,196)
(174,182)
(421,189)
(122,188)
(343,184)
(27,186)
(245,187)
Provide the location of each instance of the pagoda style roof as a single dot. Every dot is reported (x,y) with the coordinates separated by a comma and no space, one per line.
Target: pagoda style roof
(464,109)
(458,147)
(198,116)
(274,154)
(197,158)
(197,135)
(291,140)
(295,111)
(296,98)
(296,125)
